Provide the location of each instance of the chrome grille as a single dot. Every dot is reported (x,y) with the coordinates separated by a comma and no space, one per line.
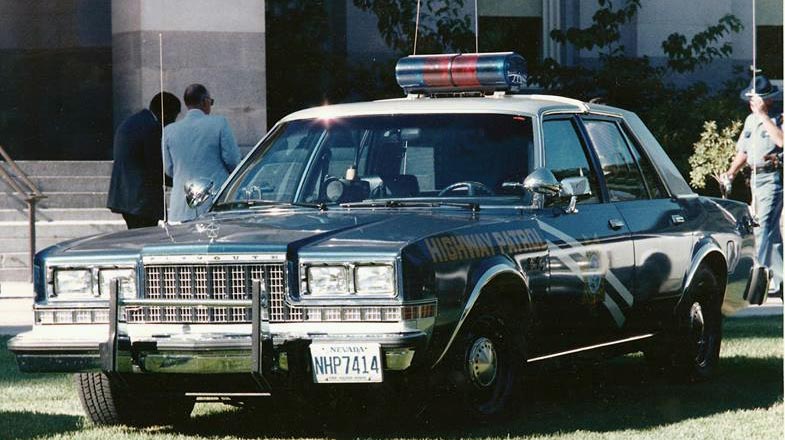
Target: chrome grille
(201,281)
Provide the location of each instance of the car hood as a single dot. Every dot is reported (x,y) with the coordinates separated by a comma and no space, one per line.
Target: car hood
(284,230)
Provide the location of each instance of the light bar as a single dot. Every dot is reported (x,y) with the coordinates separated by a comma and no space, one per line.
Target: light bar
(483,72)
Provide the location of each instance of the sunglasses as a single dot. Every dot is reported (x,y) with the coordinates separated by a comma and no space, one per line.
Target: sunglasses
(212,101)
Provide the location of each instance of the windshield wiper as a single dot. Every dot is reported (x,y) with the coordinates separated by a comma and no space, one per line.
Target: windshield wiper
(321,206)
(474,207)
(224,206)
(252,203)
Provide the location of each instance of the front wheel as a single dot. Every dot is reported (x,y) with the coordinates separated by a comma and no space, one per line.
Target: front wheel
(107,401)
(487,365)
(691,351)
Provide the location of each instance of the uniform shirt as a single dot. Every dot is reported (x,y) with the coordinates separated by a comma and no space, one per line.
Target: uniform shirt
(197,146)
(755,141)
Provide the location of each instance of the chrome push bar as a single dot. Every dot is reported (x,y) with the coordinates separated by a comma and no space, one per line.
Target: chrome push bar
(117,343)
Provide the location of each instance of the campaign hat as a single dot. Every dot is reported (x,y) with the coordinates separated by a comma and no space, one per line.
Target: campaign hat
(763,87)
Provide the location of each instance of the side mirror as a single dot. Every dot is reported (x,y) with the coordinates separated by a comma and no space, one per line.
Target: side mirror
(542,181)
(574,188)
(197,192)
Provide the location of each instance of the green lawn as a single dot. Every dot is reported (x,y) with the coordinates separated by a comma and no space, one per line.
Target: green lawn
(619,399)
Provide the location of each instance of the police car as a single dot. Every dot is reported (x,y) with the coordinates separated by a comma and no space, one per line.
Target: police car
(453,237)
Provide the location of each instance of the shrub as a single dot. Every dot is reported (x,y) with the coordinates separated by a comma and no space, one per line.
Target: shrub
(713,152)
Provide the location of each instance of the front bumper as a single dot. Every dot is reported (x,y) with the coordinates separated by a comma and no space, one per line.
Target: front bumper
(205,349)
(59,348)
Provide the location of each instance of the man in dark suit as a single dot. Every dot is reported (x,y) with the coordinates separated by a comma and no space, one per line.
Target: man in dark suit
(136,187)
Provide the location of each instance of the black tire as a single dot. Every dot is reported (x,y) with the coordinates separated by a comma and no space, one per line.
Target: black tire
(487,364)
(691,350)
(107,401)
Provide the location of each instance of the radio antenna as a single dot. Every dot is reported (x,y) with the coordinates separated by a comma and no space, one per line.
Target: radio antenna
(416,27)
(754,93)
(754,50)
(476,29)
(163,163)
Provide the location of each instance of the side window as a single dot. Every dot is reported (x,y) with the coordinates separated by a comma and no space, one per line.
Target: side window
(565,155)
(621,173)
(650,176)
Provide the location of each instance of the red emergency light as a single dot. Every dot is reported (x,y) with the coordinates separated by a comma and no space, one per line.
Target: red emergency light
(482,72)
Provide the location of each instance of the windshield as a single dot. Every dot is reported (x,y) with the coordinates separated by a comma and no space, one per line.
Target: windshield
(482,158)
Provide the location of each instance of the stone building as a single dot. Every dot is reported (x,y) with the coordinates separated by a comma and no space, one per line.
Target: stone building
(71,70)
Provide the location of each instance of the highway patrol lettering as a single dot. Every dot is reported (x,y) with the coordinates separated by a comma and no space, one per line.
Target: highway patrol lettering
(462,247)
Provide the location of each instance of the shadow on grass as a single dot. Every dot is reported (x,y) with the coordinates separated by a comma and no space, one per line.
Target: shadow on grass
(24,425)
(612,396)
(616,395)
(758,327)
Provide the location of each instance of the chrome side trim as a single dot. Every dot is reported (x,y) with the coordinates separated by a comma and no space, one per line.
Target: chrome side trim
(486,278)
(591,347)
(212,258)
(227,394)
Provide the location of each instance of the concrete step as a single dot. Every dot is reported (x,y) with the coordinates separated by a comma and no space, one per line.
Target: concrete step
(71,183)
(62,229)
(9,290)
(47,215)
(15,260)
(43,168)
(14,275)
(22,243)
(61,200)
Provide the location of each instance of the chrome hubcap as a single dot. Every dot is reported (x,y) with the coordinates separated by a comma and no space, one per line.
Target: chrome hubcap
(696,319)
(482,362)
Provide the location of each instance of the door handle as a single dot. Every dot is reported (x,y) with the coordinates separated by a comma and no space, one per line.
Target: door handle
(615,224)
(677,219)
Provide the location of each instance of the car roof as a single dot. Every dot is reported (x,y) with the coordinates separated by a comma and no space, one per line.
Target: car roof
(497,103)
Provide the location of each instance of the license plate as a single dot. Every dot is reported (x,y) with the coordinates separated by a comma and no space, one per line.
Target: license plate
(346,362)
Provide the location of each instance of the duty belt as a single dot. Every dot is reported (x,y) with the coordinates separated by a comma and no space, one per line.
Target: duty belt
(768,167)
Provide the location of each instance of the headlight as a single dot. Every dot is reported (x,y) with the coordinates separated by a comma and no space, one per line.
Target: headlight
(127,279)
(374,280)
(328,280)
(73,281)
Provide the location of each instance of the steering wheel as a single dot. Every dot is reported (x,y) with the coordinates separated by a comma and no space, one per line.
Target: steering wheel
(471,188)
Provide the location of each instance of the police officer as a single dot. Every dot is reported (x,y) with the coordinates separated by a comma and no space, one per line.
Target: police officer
(760,146)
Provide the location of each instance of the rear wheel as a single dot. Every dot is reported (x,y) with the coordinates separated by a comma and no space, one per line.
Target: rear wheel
(487,365)
(692,350)
(107,401)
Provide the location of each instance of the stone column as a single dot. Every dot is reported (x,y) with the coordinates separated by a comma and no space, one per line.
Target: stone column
(213,42)
(551,19)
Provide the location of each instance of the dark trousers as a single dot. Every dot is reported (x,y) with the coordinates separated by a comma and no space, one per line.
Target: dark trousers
(139,221)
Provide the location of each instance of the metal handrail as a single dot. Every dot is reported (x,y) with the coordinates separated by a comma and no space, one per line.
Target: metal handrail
(33,195)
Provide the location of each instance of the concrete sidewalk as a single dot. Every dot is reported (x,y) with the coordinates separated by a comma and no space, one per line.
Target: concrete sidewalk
(16,315)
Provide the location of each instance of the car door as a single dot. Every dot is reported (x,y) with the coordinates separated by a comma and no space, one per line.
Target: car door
(661,226)
(590,252)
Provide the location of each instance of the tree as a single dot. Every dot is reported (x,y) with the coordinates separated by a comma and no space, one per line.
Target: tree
(713,153)
(625,81)
(444,28)
(303,69)
(444,25)
(674,114)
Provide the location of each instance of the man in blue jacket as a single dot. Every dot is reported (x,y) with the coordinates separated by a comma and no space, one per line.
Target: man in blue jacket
(197,146)
(136,189)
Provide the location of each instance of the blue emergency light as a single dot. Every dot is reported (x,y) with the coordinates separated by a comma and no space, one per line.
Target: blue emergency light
(483,72)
